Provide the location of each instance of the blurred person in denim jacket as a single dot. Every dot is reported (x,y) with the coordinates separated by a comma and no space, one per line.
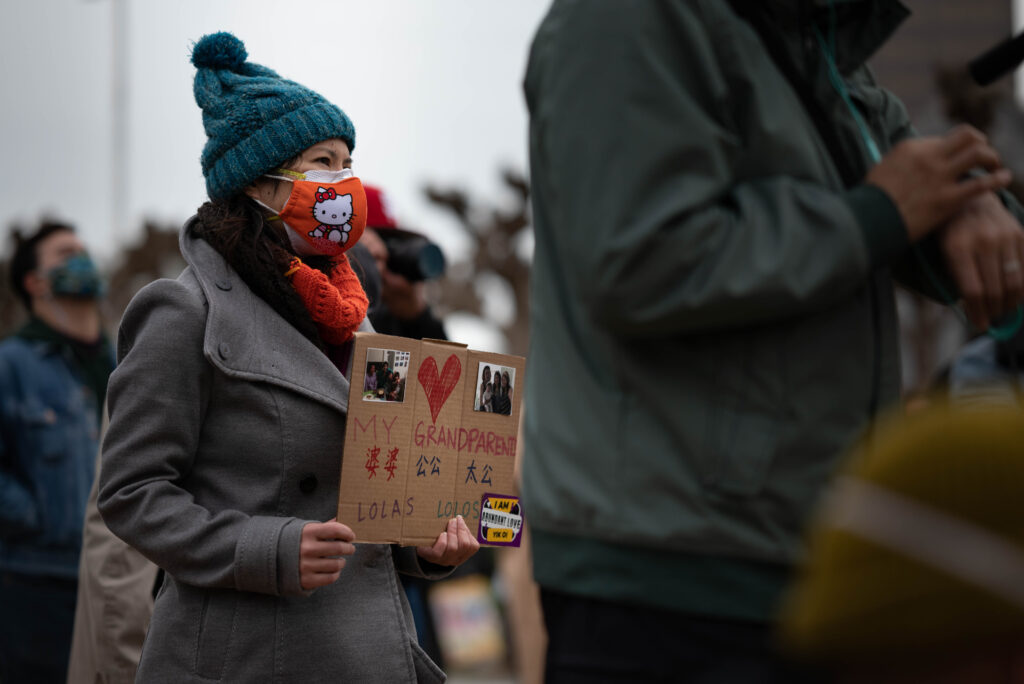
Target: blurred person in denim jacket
(53,378)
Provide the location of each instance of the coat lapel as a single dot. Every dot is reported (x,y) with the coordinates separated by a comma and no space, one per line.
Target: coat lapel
(246,338)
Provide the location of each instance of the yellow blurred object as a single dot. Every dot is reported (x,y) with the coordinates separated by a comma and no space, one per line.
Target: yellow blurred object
(920,545)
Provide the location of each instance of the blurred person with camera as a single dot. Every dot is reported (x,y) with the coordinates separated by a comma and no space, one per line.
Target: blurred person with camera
(53,380)
(723,197)
(403,261)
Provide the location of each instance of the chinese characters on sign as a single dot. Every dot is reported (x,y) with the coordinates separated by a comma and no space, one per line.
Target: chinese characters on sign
(371,460)
(392,463)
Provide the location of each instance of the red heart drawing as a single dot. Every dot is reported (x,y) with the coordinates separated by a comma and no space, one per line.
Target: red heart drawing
(439,388)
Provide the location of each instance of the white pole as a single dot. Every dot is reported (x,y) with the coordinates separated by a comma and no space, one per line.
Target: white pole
(1017,19)
(119,119)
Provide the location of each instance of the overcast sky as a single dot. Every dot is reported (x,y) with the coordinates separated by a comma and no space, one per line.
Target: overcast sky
(433,88)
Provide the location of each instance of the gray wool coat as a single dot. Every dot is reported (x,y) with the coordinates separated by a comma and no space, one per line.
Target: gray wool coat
(225,438)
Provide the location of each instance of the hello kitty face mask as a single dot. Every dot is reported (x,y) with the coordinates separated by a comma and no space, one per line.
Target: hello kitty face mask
(325,212)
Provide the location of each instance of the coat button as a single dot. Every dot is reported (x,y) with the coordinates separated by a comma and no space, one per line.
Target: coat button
(224,284)
(224,350)
(307,484)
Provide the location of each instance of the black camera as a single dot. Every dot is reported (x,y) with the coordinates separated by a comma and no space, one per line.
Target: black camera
(413,257)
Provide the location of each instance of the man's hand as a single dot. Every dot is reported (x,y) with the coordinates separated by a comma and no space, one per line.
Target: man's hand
(984,248)
(320,546)
(454,546)
(926,177)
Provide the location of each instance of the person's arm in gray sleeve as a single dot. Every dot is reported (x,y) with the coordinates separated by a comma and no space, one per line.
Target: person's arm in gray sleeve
(157,397)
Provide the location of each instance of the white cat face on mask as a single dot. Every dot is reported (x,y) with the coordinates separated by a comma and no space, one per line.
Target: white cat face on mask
(325,212)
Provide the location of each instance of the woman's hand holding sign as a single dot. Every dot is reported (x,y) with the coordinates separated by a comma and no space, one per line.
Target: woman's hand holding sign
(453,547)
(320,551)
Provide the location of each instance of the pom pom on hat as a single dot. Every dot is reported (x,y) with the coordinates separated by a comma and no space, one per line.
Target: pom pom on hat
(254,119)
(219,51)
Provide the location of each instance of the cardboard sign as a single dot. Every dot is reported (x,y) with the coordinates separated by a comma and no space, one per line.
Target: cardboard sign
(431,434)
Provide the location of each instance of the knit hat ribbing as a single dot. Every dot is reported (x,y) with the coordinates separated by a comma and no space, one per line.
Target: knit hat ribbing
(254,119)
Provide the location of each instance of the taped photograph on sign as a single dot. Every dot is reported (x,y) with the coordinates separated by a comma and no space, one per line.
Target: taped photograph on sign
(495,388)
(411,464)
(385,374)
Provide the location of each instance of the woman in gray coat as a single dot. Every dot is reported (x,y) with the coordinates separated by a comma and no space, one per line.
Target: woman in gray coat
(227,411)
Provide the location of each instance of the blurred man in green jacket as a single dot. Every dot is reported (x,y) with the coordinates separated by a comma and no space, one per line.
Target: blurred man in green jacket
(721,203)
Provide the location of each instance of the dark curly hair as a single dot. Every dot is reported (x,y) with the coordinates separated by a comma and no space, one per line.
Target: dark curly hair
(26,256)
(237,229)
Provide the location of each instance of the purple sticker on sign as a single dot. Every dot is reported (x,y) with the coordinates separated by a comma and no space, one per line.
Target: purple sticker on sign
(501,520)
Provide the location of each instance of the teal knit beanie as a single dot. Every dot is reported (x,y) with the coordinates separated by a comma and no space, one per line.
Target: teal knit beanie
(254,119)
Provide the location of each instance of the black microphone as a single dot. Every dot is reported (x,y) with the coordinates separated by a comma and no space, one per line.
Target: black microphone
(997,62)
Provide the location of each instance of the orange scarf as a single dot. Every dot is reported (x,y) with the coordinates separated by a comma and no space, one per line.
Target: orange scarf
(337,305)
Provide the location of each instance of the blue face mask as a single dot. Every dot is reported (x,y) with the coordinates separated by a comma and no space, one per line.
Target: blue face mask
(76,277)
